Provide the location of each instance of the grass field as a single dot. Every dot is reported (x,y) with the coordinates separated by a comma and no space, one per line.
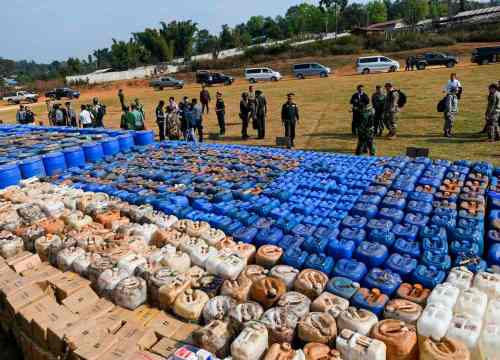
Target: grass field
(325,111)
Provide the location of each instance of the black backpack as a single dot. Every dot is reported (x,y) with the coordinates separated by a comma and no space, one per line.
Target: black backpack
(441,106)
(402,99)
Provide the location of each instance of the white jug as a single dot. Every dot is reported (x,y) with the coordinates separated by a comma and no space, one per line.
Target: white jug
(354,346)
(489,342)
(286,273)
(175,259)
(435,321)
(251,343)
(130,293)
(472,302)
(227,266)
(213,236)
(493,311)
(445,294)
(131,262)
(66,257)
(358,320)
(328,302)
(488,283)
(460,277)
(466,329)
(217,308)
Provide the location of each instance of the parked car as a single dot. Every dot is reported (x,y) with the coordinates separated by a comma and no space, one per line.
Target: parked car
(60,93)
(432,58)
(21,96)
(210,78)
(310,69)
(486,55)
(262,74)
(369,64)
(166,82)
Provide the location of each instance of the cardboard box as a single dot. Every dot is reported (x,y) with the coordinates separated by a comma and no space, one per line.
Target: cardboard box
(165,347)
(67,284)
(184,333)
(145,355)
(7,278)
(133,334)
(18,257)
(95,350)
(144,314)
(121,351)
(101,308)
(28,263)
(42,267)
(27,313)
(57,317)
(26,296)
(80,300)
(165,325)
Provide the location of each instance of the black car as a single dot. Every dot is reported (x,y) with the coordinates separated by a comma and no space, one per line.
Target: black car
(60,93)
(486,55)
(210,78)
(433,58)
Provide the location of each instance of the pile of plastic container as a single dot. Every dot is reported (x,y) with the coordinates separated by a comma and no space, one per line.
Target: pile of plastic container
(247,302)
(28,151)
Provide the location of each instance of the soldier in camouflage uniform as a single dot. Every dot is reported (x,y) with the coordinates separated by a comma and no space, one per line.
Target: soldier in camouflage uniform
(366,131)
(378,102)
(391,110)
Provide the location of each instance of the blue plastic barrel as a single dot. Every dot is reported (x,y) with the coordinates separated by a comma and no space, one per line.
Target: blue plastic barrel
(126,142)
(54,163)
(74,156)
(93,151)
(110,146)
(144,137)
(10,174)
(32,167)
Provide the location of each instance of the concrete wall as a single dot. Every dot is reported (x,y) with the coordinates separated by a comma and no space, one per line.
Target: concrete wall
(138,73)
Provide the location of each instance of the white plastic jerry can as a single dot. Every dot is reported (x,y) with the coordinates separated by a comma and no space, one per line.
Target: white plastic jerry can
(488,283)
(197,228)
(472,302)
(466,329)
(189,304)
(493,311)
(460,277)
(445,294)
(295,302)
(435,321)
(354,346)
(227,266)
(286,273)
(130,293)
(217,308)
(358,320)
(66,257)
(201,253)
(328,302)
(131,262)
(213,236)
(251,343)
(489,342)
(175,259)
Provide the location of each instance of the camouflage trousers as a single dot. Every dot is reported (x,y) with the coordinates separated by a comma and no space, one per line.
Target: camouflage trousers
(391,121)
(492,125)
(365,144)
(449,120)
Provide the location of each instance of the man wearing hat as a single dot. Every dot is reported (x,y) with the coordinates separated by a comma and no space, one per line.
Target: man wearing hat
(391,110)
(450,110)
(260,114)
(290,117)
(220,110)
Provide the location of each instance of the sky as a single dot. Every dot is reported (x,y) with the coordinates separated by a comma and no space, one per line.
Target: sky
(47,30)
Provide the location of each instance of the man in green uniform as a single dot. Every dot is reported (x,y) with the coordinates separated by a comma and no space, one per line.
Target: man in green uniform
(492,114)
(378,101)
(260,114)
(128,119)
(391,110)
(366,131)
(290,117)
(220,110)
(138,118)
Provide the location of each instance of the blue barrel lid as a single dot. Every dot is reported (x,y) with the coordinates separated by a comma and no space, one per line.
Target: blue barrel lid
(31,159)
(53,154)
(90,144)
(72,149)
(9,166)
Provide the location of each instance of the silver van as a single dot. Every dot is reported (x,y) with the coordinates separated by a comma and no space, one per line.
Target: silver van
(369,64)
(262,74)
(310,69)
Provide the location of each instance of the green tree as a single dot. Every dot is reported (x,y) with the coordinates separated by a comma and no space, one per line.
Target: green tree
(255,26)
(377,11)
(354,15)
(335,7)
(153,42)
(226,38)
(415,11)
(180,35)
(74,66)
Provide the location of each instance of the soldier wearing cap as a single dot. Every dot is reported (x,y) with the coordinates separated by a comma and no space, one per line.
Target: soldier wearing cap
(391,110)
(290,117)
(220,110)
(260,114)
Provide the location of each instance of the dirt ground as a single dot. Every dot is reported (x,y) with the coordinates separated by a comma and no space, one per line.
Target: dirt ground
(325,111)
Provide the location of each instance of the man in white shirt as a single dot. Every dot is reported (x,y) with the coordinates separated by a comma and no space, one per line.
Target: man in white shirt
(453,83)
(86,117)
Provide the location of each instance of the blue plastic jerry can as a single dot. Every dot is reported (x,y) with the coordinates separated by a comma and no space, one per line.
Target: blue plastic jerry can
(428,276)
(303,230)
(437,259)
(472,262)
(421,196)
(435,243)
(354,222)
(329,233)
(377,190)
(385,280)
(340,248)
(320,262)
(404,265)
(419,207)
(372,254)
(372,300)
(342,286)
(366,210)
(407,247)
(379,224)
(356,235)
(447,221)
(271,236)
(351,269)
(408,232)
(246,234)
(264,223)
(392,214)
(464,246)
(383,237)
(295,257)
(315,245)
(370,199)
(287,223)
(290,241)
(419,220)
(393,202)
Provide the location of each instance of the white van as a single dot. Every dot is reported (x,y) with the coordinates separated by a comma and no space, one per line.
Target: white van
(369,64)
(262,74)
